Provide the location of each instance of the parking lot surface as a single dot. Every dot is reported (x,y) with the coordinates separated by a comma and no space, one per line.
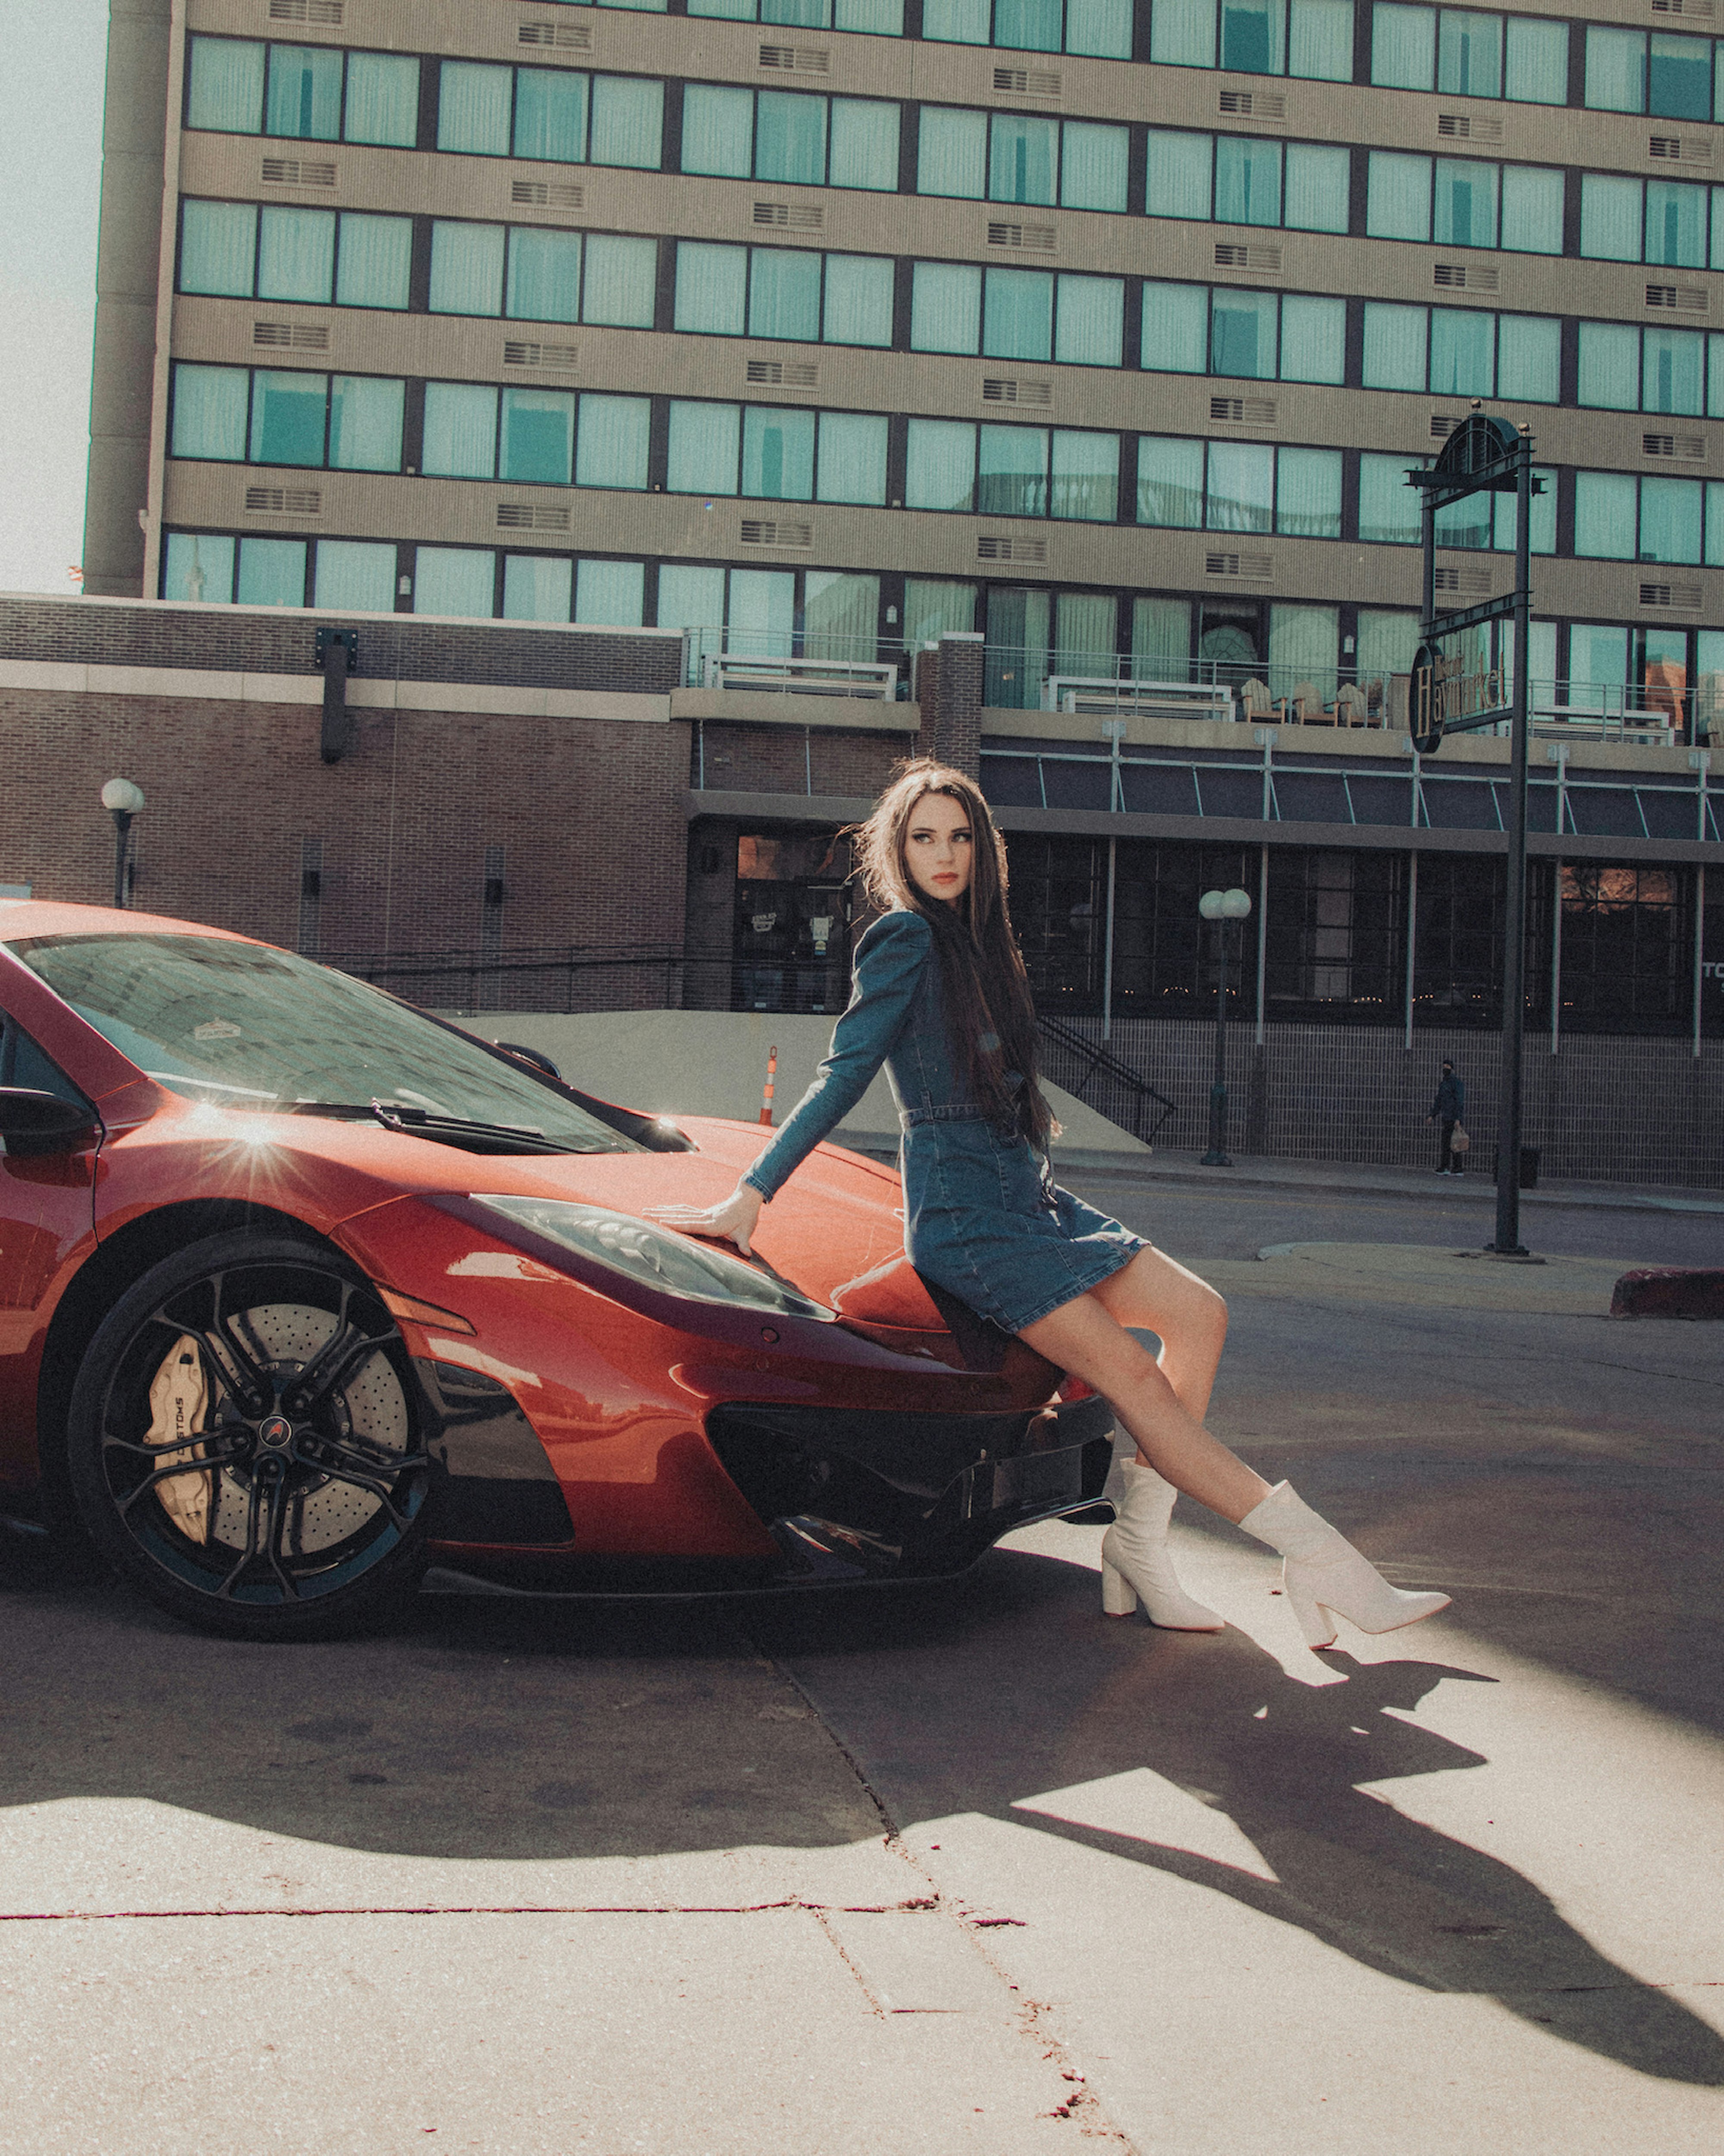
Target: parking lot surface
(962,1867)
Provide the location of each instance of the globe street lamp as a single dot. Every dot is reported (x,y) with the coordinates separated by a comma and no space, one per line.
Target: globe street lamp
(1221,906)
(123,801)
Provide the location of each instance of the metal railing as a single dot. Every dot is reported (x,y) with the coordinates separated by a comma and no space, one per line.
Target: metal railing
(1091,1071)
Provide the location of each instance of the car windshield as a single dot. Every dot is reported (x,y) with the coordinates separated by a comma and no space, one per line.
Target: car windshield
(241,1026)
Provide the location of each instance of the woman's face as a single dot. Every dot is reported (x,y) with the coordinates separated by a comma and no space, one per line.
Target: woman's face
(938,847)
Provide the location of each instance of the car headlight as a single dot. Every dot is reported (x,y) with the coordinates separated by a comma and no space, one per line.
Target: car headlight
(654,1256)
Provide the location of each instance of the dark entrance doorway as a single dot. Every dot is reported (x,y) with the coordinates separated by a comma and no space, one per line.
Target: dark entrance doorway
(791,947)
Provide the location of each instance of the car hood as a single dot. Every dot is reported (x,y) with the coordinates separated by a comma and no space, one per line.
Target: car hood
(835,1231)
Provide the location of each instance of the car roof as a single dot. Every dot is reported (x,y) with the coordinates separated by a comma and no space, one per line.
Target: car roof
(24,918)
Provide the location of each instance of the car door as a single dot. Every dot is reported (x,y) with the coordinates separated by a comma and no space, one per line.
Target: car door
(47,1202)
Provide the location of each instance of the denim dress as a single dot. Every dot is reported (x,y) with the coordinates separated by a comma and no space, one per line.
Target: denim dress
(982,1216)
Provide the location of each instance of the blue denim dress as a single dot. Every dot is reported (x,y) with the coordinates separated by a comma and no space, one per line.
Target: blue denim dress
(983,1217)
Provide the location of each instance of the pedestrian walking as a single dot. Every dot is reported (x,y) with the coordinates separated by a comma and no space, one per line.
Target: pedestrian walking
(941,999)
(1450,1110)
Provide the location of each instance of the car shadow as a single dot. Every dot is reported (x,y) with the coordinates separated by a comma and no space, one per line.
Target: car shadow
(504,1729)
(1042,1716)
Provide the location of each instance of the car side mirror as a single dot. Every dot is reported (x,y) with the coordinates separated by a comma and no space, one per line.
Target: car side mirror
(35,1122)
(534,1058)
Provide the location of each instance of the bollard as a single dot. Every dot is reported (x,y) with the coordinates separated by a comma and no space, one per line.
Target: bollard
(766,1101)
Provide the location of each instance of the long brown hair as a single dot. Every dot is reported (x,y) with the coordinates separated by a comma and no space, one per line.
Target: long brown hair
(986,992)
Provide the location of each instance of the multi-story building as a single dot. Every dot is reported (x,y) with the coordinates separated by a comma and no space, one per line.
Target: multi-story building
(821,330)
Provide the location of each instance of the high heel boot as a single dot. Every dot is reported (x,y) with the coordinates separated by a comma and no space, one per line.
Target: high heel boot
(1325,1577)
(1136,1563)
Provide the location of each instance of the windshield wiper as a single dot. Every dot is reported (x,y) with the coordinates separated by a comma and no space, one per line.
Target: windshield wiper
(444,1129)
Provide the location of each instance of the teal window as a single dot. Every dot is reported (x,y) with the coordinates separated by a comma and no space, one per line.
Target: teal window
(218,248)
(382,99)
(1084,476)
(460,434)
(778,454)
(940,464)
(296,253)
(1308,493)
(1176,328)
(951,153)
(1312,38)
(1240,488)
(1237,179)
(784,294)
(374,266)
(365,423)
(612,450)
(853,457)
(1535,61)
(1245,334)
(455,581)
(620,279)
(704,444)
(1248,181)
(537,587)
(474,105)
(1531,209)
(945,307)
(1101,29)
(209,413)
(1467,52)
(1012,471)
(711,288)
(1017,314)
(1170,482)
(1313,339)
(613,593)
(1529,352)
(303,99)
(1636,71)
(856,308)
(225,87)
(1090,321)
(1609,376)
(1093,167)
(1675,224)
(353,576)
(1179,178)
(1389,508)
(879,18)
(537,440)
(272,572)
(544,279)
(197,567)
(790,136)
(466,267)
(289,412)
(1023,159)
(1396,348)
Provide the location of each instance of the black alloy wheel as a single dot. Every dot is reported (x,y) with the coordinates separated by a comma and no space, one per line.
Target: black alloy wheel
(245,1444)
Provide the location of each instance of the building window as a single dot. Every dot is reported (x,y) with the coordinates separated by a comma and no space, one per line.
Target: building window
(791,137)
(1239,487)
(1059,910)
(1455,351)
(1235,179)
(534,274)
(1313,38)
(1661,221)
(786,293)
(1463,53)
(1335,931)
(1017,314)
(1021,158)
(870,18)
(237,250)
(775,455)
(1636,71)
(1626,369)
(1263,336)
(1464,201)
(559,116)
(1628,949)
(1100,29)
(1012,471)
(1620,517)
(302,93)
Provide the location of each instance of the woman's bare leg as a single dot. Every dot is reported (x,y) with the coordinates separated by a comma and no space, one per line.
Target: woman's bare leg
(1161,1404)
(1185,1313)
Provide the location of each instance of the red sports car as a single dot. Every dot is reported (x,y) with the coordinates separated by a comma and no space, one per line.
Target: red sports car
(301,1290)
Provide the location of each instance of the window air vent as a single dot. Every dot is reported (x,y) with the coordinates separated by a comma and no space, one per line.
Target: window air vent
(570,37)
(1039,239)
(997,389)
(1465,277)
(775,531)
(1003,547)
(298,173)
(1244,411)
(1466,583)
(307,11)
(1691,447)
(1441,428)
(1257,567)
(555,357)
(1685,596)
(1685,299)
(547,194)
(797,216)
(797,59)
(1681,149)
(785,373)
(292,336)
(285,501)
(1469,127)
(1254,103)
(1229,255)
(530,516)
(1027,82)
(1695,11)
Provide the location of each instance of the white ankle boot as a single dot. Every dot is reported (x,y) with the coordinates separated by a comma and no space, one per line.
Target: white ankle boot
(1325,1577)
(1136,1563)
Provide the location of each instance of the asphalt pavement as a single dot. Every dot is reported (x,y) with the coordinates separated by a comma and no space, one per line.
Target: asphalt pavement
(965,1868)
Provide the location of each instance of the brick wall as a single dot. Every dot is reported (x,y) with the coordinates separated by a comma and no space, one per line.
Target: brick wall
(1604,1108)
(753,759)
(587,813)
(71,632)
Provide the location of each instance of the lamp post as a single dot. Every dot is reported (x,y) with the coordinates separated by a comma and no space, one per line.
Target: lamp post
(1221,906)
(123,801)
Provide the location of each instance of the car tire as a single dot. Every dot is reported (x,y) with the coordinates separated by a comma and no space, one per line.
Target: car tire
(298,1510)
